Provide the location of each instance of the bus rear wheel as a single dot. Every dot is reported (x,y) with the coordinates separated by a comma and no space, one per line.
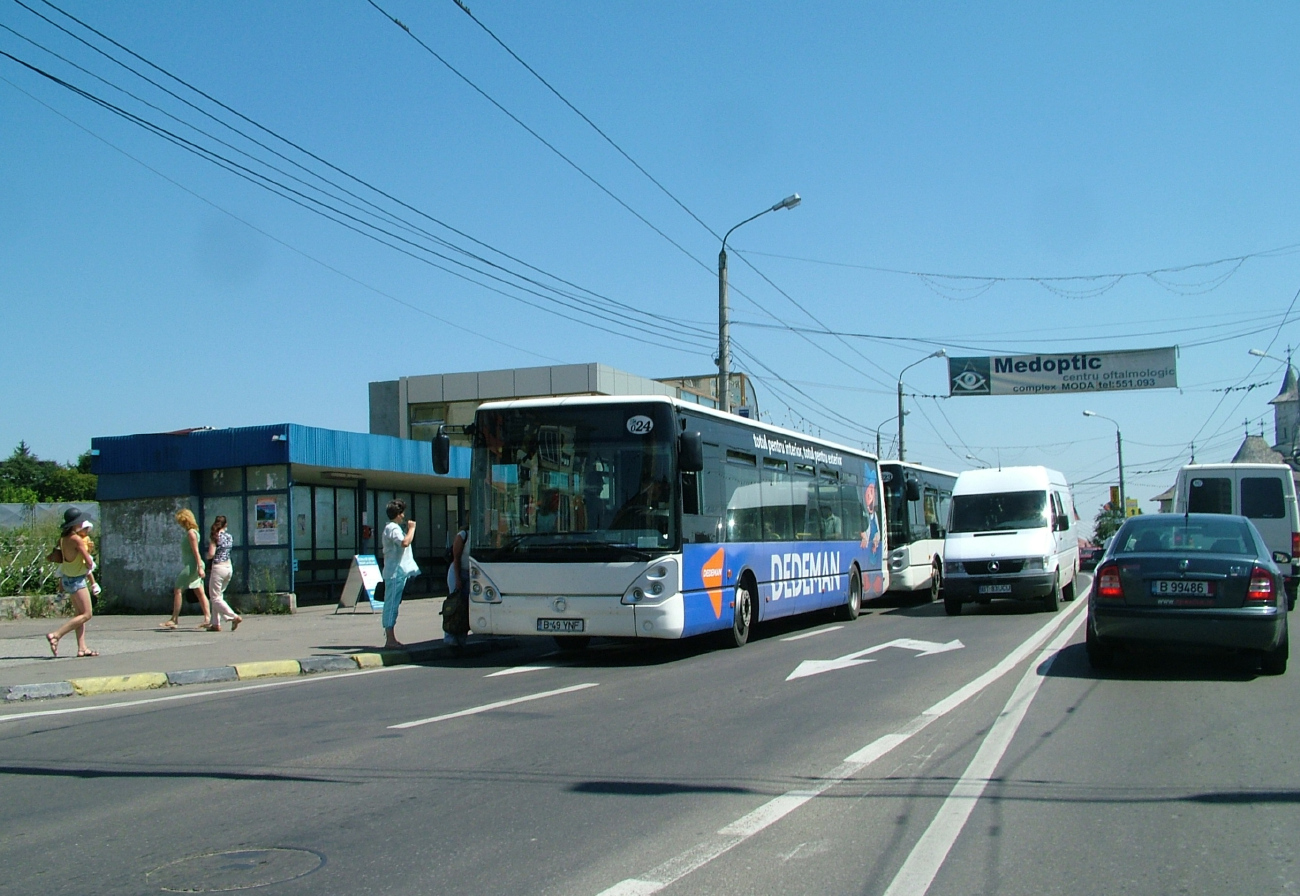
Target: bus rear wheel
(742,619)
(849,611)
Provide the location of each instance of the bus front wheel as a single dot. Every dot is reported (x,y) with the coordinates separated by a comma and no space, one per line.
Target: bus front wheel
(936,581)
(742,619)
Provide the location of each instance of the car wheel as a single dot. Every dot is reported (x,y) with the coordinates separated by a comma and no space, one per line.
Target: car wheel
(1101,656)
(936,582)
(742,619)
(572,643)
(849,610)
(1273,662)
(1052,602)
(952,606)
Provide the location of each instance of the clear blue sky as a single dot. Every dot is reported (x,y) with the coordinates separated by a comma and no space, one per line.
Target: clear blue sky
(144,289)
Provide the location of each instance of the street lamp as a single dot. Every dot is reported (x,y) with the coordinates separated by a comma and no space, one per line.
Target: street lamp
(724,324)
(880,456)
(1119,451)
(901,413)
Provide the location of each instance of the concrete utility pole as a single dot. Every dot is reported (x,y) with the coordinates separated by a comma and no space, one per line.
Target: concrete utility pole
(901,413)
(724,323)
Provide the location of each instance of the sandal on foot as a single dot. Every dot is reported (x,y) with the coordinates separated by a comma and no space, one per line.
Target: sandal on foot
(87,653)
(54,643)
(167,624)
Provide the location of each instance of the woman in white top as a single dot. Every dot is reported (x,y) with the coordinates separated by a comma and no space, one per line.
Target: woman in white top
(399,565)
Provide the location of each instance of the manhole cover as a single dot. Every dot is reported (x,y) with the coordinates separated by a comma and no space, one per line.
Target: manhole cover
(239,869)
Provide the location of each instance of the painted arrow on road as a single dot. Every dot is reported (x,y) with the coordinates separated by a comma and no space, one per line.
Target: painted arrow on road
(925,648)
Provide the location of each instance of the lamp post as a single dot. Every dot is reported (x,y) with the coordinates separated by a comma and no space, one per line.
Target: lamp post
(1119,451)
(901,413)
(879,456)
(724,324)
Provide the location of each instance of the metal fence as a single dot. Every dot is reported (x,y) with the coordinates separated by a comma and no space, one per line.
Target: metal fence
(13,516)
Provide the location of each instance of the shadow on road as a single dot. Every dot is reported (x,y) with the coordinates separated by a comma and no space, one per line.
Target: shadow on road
(1157,664)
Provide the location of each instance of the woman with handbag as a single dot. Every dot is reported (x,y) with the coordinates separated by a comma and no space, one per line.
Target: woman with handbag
(399,566)
(455,609)
(219,545)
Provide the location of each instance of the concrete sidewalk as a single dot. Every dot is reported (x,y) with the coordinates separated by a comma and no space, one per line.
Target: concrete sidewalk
(136,654)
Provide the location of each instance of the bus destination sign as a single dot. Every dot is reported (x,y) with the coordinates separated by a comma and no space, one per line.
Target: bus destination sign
(1090,372)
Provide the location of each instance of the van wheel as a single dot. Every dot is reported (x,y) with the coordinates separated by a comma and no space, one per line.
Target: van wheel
(1273,662)
(1052,602)
(952,606)
(1067,591)
(936,581)
(849,611)
(742,619)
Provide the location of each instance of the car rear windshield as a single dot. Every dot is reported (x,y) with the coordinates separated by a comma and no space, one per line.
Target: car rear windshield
(1176,534)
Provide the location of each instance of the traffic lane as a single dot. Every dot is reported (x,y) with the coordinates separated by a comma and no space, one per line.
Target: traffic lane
(663,726)
(855,836)
(1173,773)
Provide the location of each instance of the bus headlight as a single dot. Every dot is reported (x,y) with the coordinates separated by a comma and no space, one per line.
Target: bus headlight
(637,594)
(476,588)
(657,588)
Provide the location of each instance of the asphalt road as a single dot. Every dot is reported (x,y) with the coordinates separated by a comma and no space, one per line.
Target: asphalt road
(1004,765)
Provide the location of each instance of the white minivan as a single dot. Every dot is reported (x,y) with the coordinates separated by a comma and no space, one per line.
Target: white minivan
(1011,534)
(1263,492)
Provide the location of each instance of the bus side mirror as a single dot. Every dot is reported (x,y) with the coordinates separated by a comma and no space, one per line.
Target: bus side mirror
(690,452)
(441,452)
(913,490)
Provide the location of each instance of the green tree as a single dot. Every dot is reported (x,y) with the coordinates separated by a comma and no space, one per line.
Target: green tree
(26,479)
(1107,522)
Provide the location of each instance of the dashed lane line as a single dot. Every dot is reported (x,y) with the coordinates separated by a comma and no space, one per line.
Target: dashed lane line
(488,707)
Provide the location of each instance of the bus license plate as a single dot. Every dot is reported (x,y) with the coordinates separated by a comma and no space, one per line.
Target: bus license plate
(995,589)
(1180,586)
(560,626)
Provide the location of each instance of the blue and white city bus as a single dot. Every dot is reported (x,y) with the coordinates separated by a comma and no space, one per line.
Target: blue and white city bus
(917,500)
(649,517)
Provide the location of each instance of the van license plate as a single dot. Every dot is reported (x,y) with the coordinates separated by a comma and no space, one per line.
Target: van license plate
(1180,586)
(561,626)
(995,589)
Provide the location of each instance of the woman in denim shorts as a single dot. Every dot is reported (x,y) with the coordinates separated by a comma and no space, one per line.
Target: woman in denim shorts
(76,565)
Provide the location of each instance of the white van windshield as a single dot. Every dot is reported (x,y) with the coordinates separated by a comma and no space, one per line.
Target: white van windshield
(1000,511)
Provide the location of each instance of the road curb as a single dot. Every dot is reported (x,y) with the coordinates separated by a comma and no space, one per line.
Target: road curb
(144,681)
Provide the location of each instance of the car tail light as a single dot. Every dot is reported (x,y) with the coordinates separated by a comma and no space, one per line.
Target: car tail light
(1108,582)
(1260,590)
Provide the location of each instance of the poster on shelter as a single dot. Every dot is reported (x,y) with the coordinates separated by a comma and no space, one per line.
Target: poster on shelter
(1060,374)
(265,522)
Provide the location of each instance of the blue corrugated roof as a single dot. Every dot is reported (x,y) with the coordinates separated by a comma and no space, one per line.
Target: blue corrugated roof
(255,445)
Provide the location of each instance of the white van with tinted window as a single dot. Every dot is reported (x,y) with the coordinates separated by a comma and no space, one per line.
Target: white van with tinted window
(1265,493)
(1011,534)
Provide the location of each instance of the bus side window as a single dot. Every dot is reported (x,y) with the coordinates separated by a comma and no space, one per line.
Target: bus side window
(852,512)
(691,493)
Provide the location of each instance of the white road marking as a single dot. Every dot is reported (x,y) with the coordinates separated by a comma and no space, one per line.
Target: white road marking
(515,670)
(927,857)
(813,634)
(488,707)
(926,648)
(167,698)
(774,810)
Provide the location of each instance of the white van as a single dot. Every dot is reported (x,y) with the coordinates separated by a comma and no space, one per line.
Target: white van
(1011,534)
(1263,492)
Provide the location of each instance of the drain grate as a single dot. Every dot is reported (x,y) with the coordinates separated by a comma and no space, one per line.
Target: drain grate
(238,869)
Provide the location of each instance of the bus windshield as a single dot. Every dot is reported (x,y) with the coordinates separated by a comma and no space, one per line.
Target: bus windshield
(999,511)
(569,484)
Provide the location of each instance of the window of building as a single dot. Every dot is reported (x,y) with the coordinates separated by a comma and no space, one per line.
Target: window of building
(423,420)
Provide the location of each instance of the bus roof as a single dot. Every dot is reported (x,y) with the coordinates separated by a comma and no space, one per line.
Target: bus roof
(580,400)
(911,466)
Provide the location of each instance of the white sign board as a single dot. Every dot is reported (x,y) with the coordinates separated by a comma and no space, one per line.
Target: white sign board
(364,576)
(1059,374)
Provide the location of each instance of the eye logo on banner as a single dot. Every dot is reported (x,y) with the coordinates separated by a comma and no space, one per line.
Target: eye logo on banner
(971,379)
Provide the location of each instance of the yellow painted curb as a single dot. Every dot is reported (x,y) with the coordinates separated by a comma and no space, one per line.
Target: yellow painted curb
(368,660)
(267,669)
(142,681)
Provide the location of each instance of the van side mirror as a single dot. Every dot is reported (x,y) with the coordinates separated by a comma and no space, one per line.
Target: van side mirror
(441,452)
(1282,557)
(913,490)
(690,452)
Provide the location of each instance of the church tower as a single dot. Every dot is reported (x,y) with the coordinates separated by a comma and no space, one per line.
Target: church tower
(1286,418)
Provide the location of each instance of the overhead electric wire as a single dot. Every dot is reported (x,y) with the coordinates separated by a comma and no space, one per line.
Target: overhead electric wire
(625,308)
